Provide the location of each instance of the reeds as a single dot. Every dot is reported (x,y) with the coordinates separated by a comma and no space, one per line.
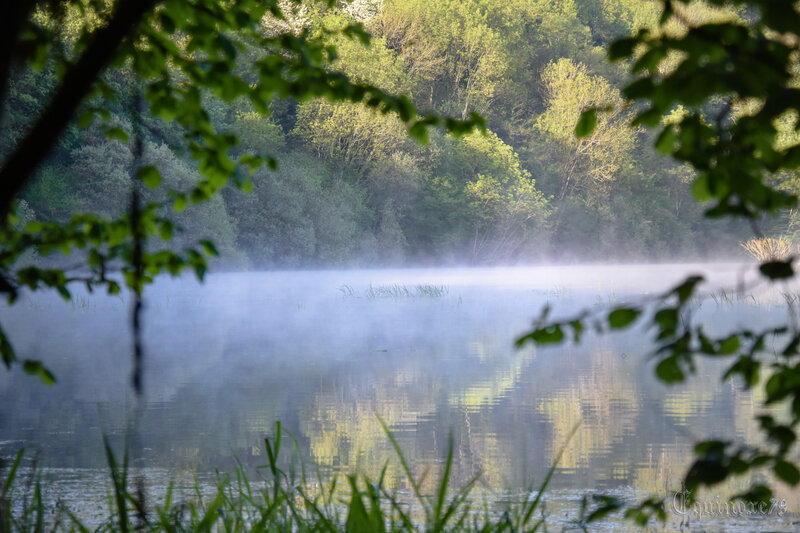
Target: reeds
(286,501)
(396,291)
(768,249)
(26,513)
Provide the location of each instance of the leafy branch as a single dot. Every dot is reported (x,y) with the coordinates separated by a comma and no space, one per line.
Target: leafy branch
(678,342)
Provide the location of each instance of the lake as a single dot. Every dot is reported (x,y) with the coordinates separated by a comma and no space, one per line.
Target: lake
(429,351)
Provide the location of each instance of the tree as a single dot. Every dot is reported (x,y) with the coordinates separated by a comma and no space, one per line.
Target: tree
(451,47)
(168,60)
(736,80)
(504,201)
(582,166)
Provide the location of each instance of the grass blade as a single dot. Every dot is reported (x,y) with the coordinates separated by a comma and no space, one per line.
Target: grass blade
(119,482)
(535,503)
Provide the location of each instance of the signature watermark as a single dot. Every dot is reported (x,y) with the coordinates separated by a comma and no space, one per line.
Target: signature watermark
(682,505)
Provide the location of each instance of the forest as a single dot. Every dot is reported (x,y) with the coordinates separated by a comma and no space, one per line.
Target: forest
(352,188)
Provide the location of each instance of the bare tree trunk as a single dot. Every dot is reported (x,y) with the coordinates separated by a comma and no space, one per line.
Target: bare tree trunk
(574,161)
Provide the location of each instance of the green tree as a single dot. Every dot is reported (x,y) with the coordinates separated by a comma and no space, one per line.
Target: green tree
(452,48)
(504,202)
(170,60)
(581,166)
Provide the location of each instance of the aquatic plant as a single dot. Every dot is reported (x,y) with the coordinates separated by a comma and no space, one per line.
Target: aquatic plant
(768,249)
(729,297)
(396,290)
(431,291)
(388,291)
(348,290)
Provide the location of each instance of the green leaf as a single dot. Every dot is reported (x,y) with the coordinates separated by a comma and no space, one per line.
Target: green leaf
(586,123)
(685,290)
(116,134)
(641,88)
(777,269)
(419,132)
(622,317)
(622,48)
(669,371)
(757,494)
(667,319)
(179,204)
(701,190)
(665,144)
(649,118)
(707,470)
(86,119)
(748,368)
(166,230)
(6,350)
(36,368)
(150,176)
(729,346)
(577,330)
(787,472)
(546,335)
(792,347)
(209,248)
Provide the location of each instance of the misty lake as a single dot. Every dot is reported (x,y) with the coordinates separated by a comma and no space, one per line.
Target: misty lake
(430,351)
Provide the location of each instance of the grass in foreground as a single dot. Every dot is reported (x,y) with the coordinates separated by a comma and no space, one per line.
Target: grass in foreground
(285,502)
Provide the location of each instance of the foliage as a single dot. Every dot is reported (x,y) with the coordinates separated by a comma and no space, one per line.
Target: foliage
(582,165)
(193,96)
(172,61)
(733,78)
(502,196)
(412,198)
(452,48)
(299,214)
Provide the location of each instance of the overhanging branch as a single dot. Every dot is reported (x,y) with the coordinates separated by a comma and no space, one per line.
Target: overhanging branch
(75,86)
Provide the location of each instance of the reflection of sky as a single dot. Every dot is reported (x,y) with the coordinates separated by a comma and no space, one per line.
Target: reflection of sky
(320,352)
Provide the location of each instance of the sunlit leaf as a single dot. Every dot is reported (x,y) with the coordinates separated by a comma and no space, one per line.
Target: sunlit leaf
(36,368)
(150,176)
(179,203)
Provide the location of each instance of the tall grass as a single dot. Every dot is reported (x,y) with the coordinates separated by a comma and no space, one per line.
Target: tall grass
(285,500)
(768,249)
(26,513)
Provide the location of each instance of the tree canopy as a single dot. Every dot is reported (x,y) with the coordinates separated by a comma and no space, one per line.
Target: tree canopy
(157,60)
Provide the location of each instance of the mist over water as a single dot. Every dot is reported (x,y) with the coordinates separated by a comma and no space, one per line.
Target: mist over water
(430,351)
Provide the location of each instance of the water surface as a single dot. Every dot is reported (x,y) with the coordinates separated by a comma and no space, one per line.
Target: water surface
(429,351)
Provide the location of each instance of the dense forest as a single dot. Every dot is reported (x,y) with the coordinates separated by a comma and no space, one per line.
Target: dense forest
(351,187)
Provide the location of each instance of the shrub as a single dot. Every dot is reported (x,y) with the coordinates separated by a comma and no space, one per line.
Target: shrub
(768,249)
